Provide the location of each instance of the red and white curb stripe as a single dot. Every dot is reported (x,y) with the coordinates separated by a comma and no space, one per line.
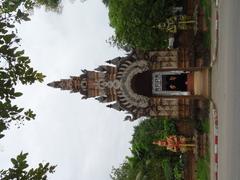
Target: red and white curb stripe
(215,119)
(214,113)
(214,110)
(215,54)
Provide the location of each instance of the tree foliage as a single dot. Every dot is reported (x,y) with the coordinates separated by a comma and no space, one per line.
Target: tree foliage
(120,173)
(134,21)
(105,2)
(13,5)
(148,131)
(21,171)
(149,161)
(50,5)
(14,63)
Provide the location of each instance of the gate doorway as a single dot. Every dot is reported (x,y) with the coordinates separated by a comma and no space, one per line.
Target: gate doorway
(175,82)
(170,83)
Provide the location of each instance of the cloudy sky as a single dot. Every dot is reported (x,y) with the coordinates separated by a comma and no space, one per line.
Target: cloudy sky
(83,137)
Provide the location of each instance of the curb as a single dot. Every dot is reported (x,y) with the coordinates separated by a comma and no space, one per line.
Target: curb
(214,58)
(214,111)
(215,119)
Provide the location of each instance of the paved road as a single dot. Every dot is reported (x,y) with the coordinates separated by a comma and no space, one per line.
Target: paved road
(226,90)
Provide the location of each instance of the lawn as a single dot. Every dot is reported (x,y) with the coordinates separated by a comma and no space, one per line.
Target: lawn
(203,168)
(207,8)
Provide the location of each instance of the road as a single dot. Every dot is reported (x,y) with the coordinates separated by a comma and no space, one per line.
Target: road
(226,89)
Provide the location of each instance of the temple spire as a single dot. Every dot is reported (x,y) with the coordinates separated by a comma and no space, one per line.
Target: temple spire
(64,84)
(54,84)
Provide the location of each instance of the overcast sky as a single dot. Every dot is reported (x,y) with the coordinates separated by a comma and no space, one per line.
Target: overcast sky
(83,137)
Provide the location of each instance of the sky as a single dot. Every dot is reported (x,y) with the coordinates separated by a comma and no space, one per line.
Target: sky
(83,137)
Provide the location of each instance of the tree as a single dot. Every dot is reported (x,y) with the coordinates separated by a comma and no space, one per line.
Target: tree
(13,5)
(20,170)
(120,173)
(150,130)
(14,63)
(148,161)
(15,66)
(50,5)
(134,22)
(105,2)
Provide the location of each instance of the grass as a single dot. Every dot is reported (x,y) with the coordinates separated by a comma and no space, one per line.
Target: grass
(207,39)
(167,169)
(178,170)
(202,126)
(203,168)
(207,8)
(205,126)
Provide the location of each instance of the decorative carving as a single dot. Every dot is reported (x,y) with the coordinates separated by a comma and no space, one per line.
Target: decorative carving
(115,106)
(126,77)
(122,84)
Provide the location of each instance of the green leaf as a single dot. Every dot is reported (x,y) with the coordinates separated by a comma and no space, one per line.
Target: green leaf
(4,49)
(18,94)
(25,17)
(15,162)
(19,14)
(40,77)
(23,58)
(8,38)
(2,126)
(10,25)
(2,24)
(19,53)
(20,110)
(1,136)
(4,31)
(4,75)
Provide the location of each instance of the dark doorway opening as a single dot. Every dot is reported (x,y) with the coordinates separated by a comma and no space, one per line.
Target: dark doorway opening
(142,83)
(175,82)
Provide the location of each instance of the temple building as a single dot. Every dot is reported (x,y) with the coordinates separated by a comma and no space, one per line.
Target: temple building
(164,83)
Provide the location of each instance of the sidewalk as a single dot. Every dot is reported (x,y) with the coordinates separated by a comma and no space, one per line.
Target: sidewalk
(213,111)
(214,31)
